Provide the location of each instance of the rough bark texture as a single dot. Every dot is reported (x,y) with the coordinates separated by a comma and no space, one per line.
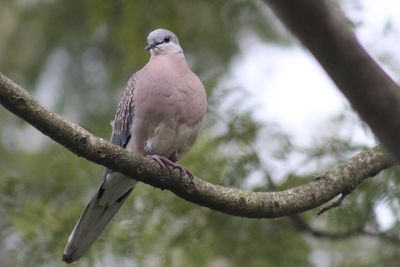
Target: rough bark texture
(371,92)
(343,178)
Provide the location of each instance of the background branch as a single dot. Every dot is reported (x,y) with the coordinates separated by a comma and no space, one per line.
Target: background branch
(343,178)
(371,92)
(302,225)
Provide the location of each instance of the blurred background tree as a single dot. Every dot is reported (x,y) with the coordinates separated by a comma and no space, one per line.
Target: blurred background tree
(75,57)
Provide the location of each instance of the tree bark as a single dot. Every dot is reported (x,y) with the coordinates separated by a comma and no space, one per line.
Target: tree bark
(341,179)
(371,92)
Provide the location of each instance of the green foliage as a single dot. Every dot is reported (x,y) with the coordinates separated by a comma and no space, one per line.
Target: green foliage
(75,56)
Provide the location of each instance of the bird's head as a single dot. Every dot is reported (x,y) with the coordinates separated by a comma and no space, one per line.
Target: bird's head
(161,41)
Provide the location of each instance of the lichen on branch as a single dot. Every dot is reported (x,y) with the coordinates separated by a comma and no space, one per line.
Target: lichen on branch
(343,178)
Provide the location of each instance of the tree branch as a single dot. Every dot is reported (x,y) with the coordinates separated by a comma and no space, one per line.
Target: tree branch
(343,178)
(371,92)
(302,225)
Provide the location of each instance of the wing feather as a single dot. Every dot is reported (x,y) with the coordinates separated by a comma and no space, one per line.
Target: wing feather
(114,190)
(123,118)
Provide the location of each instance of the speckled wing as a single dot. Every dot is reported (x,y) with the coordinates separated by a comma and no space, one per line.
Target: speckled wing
(114,190)
(123,118)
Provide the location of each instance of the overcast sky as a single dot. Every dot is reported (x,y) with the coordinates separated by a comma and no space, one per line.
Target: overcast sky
(289,87)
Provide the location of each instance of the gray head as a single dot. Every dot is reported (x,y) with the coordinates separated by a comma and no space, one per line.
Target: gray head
(161,41)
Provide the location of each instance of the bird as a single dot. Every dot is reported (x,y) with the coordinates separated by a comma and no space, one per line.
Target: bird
(159,116)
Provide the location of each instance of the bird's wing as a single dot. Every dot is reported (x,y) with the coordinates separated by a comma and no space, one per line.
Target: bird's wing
(114,190)
(123,118)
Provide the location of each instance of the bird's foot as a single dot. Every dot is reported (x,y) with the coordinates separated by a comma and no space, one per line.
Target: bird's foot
(164,162)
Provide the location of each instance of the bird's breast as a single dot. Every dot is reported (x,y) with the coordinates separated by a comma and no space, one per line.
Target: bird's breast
(169,108)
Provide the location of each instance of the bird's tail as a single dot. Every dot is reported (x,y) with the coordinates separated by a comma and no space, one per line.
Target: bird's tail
(100,210)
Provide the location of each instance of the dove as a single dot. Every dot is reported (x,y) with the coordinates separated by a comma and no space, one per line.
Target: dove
(159,116)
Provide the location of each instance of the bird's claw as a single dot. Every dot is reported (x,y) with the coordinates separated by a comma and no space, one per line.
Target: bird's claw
(164,162)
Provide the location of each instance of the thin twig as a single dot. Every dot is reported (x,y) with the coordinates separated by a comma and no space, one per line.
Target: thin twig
(334,204)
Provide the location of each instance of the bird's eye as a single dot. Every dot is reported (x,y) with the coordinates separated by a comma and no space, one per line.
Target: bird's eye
(167,39)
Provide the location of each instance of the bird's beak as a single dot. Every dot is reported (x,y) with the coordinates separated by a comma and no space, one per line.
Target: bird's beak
(150,46)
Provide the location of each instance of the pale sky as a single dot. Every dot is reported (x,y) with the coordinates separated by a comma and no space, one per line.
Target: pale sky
(293,90)
(289,88)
